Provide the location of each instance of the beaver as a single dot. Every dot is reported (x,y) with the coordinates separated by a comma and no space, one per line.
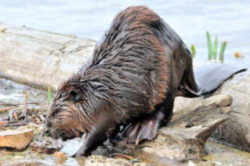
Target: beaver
(134,77)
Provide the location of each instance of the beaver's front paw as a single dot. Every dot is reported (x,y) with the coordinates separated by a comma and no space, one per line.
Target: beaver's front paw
(84,147)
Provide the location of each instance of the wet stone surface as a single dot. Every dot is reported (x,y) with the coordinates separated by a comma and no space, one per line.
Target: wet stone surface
(16,139)
(12,93)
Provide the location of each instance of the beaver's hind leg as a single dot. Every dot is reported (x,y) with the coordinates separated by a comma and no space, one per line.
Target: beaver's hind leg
(146,127)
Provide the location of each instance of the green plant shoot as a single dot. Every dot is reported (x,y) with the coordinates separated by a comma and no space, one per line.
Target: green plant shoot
(209,46)
(215,48)
(193,51)
(222,50)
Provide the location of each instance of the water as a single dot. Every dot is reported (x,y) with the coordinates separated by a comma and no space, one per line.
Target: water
(228,19)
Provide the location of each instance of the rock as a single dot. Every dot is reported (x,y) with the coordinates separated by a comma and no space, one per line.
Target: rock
(13,94)
(103,161)
(47,145)
(16,139)
(60,157)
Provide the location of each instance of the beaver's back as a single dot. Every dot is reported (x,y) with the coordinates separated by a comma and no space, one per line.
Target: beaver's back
(130,68)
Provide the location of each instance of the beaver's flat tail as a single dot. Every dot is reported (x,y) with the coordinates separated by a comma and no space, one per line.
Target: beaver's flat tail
(210,77)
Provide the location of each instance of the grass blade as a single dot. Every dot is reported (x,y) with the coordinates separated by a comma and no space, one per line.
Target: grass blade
(222,50)
(209,46)
(215,48)
(193,51)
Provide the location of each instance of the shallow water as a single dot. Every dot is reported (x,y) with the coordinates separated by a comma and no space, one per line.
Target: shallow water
(189,18)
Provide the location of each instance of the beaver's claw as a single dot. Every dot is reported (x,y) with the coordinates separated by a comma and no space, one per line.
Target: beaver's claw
(81,151)
(145,129)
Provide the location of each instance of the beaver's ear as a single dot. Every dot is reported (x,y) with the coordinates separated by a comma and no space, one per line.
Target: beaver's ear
(75,95)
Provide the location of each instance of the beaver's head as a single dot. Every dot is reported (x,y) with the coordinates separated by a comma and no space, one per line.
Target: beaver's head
(68,115)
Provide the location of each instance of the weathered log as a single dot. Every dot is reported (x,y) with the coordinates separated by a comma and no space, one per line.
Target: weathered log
(41,58)
(235,131)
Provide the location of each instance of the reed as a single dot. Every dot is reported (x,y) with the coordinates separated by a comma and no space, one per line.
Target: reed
(222,50)
(213,48)
(193,50)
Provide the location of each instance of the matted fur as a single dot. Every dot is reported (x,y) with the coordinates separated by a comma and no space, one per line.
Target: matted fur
(136,70)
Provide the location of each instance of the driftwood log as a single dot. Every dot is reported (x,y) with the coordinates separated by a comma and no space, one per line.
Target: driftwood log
(39,58)
(235,131)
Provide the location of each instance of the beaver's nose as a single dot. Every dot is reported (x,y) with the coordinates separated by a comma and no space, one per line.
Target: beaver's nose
(48,124)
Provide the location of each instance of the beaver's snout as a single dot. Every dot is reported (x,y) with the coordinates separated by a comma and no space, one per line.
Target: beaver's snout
(48,129)
(48,124)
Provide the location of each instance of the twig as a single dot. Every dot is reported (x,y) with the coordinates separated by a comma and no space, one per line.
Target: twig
(17,104)
(124,156)
(25,112)
(16,123)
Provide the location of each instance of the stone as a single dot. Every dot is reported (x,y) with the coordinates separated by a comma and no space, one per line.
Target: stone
(103,161)
(60,157)
(16,139)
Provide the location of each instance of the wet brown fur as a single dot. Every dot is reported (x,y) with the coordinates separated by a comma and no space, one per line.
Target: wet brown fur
(137,70)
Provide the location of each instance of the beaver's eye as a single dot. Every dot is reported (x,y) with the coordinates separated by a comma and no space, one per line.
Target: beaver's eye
(60,95)
(76,96)
(53,114)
